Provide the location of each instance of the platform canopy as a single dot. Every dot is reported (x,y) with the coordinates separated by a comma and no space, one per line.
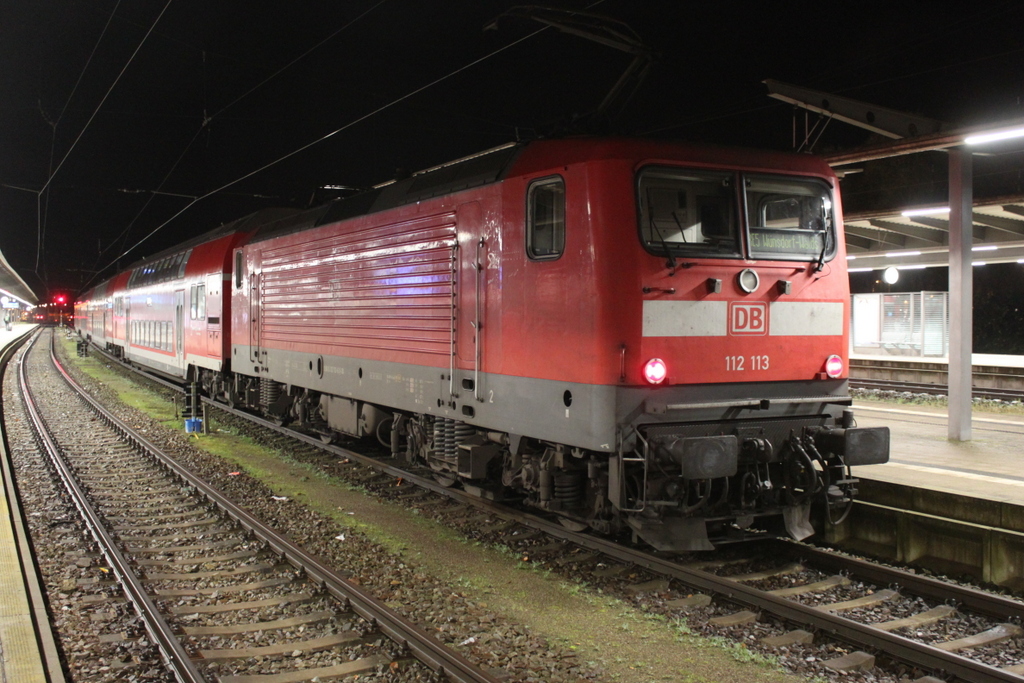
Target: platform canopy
(13,287)
(918,237)
(961,233)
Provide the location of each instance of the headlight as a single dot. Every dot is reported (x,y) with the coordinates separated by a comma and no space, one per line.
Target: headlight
(834,366)
(655,371)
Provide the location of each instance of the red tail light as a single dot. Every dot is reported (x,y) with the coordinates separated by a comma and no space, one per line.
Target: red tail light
(834,366)
(655,371)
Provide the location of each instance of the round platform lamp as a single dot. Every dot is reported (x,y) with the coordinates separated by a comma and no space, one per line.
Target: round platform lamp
(890,276)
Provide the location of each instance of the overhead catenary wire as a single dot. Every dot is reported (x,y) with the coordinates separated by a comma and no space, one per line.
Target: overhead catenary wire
(291,63)
(856,66)
(323,138)
(105,96)
(207,120)
(54,172)
(41,232)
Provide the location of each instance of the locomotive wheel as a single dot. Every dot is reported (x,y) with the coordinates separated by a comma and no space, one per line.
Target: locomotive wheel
(445,480)
(572,524)
(327,438)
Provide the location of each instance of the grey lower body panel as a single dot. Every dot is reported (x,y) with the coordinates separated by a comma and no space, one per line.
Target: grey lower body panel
(169,366)
(582,415)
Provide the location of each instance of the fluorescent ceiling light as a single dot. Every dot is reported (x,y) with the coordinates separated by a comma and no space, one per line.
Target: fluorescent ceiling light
(978,263)
(925,212)
(860,270)
(900,254)
(850,258)
(913,267)
(995,137)
(985,248)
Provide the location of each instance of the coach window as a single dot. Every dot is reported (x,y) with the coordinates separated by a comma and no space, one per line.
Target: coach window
(197,310)
(545,216)
(238,270)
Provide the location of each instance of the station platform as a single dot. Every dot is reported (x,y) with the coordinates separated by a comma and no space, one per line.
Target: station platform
(27,653)
(950,507)
(988,467)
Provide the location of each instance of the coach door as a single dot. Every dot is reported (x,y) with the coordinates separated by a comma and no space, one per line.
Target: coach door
(255,306)
(179,325)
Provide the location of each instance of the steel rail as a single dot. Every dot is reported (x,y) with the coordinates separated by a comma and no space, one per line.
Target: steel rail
(928,388)
(171,649)
(982,602)
(904,649)
(898,647)
(431,652)
(50,655)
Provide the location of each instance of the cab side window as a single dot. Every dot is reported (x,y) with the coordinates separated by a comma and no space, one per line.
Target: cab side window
(545,218)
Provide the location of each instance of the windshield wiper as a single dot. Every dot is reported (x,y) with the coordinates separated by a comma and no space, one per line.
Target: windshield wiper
(671,263)
(824,249)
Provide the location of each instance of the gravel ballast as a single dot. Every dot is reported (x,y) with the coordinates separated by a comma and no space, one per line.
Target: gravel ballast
(526,623)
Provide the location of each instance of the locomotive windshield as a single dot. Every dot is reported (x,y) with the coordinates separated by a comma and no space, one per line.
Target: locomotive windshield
(690,212)
(789,218)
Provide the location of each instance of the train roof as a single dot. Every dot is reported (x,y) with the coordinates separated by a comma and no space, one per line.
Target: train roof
(523,158)
(462,174)
(247,223)
(490,166)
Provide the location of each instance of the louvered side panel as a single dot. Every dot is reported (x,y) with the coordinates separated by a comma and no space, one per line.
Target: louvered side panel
(345,289)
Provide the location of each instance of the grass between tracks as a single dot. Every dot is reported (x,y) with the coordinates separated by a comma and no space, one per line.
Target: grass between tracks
(630,645)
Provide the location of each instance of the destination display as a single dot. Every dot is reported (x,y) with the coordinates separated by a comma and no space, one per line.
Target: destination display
(791,242)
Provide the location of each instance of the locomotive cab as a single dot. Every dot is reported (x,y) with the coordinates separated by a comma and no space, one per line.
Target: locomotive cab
(738,416)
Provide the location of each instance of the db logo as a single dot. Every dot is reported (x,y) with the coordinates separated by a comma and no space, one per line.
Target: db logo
(751,319)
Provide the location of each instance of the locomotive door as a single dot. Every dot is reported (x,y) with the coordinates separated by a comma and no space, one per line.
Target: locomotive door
(470,300)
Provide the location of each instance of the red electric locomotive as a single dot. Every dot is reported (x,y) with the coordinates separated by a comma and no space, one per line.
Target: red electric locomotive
(632,335)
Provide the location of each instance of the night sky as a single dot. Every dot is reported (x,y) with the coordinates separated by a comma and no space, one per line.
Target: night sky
(220,89)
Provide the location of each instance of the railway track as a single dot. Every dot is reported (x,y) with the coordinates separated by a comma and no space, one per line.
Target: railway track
(933,389)
(802,593)
(223,596)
